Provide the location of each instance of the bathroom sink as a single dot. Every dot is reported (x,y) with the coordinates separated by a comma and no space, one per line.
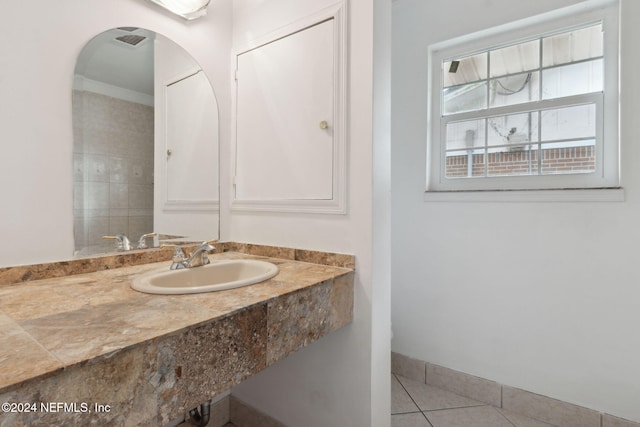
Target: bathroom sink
(216,276)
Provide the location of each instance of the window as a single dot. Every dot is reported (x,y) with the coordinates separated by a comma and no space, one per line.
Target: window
(533,108)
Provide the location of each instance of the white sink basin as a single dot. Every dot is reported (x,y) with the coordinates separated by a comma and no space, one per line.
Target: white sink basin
(216,276)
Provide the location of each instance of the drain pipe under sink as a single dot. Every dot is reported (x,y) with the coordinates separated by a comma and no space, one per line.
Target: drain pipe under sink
(201,418)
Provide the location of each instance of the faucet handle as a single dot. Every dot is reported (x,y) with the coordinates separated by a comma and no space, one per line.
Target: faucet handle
(178,257)
(178,254)
(122,242)
(207,246)
(142,242)
(199,256)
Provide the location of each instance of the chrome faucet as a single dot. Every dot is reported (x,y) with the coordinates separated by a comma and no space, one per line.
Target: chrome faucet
(122,242)
(142,242)
(197,258)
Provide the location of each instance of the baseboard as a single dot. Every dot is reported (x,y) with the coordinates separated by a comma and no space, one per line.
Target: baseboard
(522,402)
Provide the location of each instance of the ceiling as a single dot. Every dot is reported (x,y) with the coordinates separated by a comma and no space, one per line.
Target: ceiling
(109,60)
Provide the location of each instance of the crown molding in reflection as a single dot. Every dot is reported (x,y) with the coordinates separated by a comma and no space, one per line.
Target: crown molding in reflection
(88,85)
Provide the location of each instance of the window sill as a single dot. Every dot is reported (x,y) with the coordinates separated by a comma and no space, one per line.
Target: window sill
(529,196)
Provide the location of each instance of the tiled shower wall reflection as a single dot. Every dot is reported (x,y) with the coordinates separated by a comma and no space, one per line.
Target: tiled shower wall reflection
(112,169)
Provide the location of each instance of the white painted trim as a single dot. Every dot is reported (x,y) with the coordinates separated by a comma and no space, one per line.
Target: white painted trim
(290,206)
(531,196)
(183,75)
(84,84)
(333,11)
(338,203)
(191,206)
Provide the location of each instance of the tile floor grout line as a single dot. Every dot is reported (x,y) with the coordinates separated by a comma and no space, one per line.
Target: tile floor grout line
(408,394)
(428,412)
(411,397)
(424,412)
(410,412)
(505,417)
(455,408)
(425,373)
(441,409)
(426,418)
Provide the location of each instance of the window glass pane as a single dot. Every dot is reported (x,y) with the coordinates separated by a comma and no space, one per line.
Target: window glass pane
(465,135)
(512,161)
(574,79)
(513,129)
(458,99)
(464,70)
(569,123)
(568,157)
(573,46)
(467,163)
(516,89)
(515,59)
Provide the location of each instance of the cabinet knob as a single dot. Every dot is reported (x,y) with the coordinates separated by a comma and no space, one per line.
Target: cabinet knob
(324,124)
(169,152)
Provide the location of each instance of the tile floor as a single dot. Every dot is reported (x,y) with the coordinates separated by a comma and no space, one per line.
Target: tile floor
(415,404)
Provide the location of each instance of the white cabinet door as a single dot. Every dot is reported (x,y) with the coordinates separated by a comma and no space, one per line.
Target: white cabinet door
(186,201)
(285,118)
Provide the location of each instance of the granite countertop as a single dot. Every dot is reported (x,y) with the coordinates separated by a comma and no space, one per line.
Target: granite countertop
(50,325)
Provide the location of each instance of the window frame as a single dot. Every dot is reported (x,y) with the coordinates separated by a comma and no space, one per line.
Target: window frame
(607,172)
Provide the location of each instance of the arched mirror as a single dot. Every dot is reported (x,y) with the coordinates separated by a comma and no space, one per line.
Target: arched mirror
(145,123)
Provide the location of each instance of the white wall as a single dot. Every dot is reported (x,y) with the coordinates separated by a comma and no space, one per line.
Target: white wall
(540,296)
(343,379)
(39,44)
